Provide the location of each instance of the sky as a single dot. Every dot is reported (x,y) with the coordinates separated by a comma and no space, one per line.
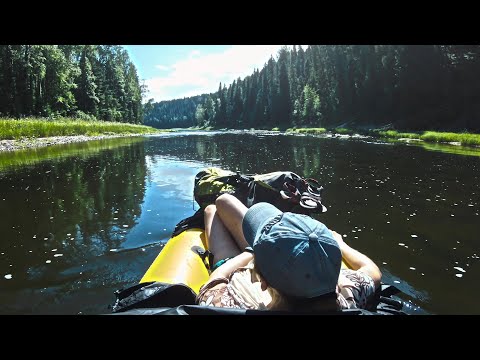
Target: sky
(177,71)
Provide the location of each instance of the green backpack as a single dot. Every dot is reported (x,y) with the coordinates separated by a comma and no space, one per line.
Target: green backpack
(213,182)
(284,189)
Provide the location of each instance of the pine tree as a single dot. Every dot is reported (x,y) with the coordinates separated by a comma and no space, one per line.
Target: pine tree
(86,91)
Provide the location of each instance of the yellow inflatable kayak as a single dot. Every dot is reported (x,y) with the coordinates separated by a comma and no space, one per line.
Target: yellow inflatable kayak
(179,263)
(173,280)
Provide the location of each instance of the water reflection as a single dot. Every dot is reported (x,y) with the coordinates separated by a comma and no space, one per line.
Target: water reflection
(29,157)
(66,210)
(440,147)
(81,223)
(413,211)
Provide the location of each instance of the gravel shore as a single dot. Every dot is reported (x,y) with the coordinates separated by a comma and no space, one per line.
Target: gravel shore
(12,145)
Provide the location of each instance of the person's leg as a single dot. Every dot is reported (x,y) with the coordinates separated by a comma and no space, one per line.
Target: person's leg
(231,211)
(219,241)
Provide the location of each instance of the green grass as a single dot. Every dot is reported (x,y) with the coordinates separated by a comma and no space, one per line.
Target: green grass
(11,129)
(397,135)
(307,130)
(464,139)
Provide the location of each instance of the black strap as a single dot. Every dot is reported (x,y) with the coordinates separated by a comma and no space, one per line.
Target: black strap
(206,256)
(152,295)
(194,221)
(251,193)
(383,302)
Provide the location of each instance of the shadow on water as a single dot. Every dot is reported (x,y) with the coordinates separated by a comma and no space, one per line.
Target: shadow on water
(80,224)
(59,211)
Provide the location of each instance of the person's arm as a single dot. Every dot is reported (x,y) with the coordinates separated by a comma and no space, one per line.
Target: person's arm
(358,261)
(231,265)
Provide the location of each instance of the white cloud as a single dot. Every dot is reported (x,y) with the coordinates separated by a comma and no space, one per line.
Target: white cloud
(202,73)
(162,67)
(194,53)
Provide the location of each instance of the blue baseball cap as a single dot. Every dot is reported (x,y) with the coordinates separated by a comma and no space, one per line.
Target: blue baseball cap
(296,254)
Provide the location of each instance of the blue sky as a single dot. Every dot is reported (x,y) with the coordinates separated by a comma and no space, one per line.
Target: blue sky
(177,71)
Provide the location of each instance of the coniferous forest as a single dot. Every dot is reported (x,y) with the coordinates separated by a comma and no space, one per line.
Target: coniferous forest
(408,87)
(80,81)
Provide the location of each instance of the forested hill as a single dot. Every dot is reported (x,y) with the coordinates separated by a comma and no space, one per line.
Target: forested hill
(415,87)
(81,81)
(173,113)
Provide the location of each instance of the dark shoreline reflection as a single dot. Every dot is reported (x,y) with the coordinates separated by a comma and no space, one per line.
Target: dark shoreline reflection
(63,211)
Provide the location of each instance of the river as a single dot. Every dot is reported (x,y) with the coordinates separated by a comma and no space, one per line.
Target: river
(80,221)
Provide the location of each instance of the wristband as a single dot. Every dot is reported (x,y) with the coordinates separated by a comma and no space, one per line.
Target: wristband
(248,249)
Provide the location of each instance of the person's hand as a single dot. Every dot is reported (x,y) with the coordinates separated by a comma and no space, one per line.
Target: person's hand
(337,237)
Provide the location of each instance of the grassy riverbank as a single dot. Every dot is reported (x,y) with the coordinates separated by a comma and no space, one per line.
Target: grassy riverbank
(464,139)
(11,129)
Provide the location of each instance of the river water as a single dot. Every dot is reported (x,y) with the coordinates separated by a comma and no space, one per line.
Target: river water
(80,221)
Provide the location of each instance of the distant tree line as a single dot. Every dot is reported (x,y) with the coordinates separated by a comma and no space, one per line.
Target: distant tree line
(411,87)
(82,81)
(174,113)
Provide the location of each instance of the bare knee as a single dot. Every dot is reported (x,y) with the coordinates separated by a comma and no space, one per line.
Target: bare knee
(228,205)
(227,201)
(223,200)
(210,210)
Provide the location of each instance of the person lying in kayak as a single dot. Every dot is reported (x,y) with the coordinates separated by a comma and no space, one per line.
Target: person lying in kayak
(267,259)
